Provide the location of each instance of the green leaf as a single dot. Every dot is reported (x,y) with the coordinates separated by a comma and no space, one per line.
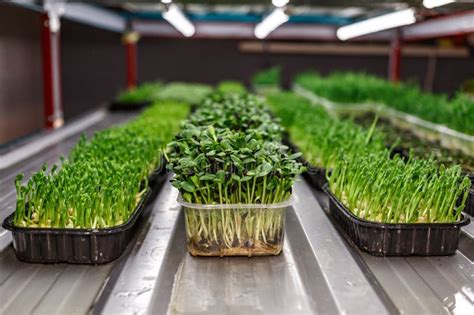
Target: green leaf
(188,186)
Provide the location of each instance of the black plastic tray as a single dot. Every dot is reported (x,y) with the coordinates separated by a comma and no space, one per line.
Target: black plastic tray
(469,209)
(75,246)
(118,106)
(389,239)
(314,176)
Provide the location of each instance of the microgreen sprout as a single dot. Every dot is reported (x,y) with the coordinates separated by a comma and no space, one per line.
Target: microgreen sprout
(229,152)
(321,137)
(359,87)
(378,188)
(104,178)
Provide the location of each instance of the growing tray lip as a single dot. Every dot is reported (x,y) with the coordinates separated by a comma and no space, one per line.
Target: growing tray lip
(464,218)
(8,224)
(303,160)
(380,107)
(287,203)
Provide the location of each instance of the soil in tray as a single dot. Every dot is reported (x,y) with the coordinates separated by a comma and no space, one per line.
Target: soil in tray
(260,248)
(421,148)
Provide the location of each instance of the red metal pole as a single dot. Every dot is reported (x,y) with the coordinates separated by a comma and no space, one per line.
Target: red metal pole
(395,57)
(130,42)
(53,109)
(131,65)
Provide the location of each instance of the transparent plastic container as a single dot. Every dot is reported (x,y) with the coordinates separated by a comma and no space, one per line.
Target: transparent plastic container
(266,89)
(235,229)
(448,138)
(336,108)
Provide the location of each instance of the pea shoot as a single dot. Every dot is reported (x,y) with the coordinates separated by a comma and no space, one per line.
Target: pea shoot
(456,113)
(378,188)
(101,182)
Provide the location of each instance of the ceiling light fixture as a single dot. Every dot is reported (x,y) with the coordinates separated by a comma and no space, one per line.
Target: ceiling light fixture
(175,17)
(280,3)
(430,4)
(270,23)
(377,24)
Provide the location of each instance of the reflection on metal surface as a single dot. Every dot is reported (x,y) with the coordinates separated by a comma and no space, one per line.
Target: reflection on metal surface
(308,277)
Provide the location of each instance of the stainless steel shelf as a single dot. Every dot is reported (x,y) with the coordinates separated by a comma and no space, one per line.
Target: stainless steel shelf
(314,274)
(319,270)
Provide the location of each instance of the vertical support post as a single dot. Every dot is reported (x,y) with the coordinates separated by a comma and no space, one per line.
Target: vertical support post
(53,107)
(130,40)
(395,56)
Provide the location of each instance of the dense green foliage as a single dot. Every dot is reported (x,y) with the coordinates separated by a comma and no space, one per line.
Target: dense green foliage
(378,188)
(146,92)
(369,182)
(238,112)
(319,136)
(407,141)
(231,87)
(271,76)
(190,93)
(457,113)
(229,152)
(104,178)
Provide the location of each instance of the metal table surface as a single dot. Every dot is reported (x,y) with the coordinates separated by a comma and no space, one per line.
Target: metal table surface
(319,271)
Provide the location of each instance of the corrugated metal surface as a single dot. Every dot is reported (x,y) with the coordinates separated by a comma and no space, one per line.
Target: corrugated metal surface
(314,274)
(318,272)
(425,285)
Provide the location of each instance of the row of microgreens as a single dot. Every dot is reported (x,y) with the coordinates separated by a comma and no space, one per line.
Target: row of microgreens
(318,135)
(420,148)
(457,113)
(237,112)
(229,152)
(364,176)
(230,86)
(104,178)
(271,76)
(383,189)
(146,92)
(190,93)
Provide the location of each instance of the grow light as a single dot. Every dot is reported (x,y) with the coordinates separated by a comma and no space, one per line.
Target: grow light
(280,3)
(430,4)
(270,23)
(376,24)
(175,17)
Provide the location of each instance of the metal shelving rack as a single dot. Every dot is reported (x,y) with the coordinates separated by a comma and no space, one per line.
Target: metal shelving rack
(319,271)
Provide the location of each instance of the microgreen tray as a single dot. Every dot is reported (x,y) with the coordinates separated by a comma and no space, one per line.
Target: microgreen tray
(235,229)
(397,239)
(315,176)
(74,246)
(470,198)
(116,106)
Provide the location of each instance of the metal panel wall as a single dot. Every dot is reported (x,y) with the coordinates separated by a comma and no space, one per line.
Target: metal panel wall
(214,60)
(93,67)
(21,94)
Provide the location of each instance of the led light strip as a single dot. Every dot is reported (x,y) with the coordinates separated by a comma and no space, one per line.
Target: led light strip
(376,24)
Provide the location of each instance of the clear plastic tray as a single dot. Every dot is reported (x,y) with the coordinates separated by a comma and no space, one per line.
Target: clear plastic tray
(266,89)
(448,138)
(334,107)
(235,229)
